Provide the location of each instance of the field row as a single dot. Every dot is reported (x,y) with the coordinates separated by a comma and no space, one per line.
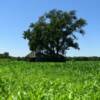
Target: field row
(49,81)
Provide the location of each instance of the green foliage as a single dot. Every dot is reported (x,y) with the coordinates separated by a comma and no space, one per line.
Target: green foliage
(55,32)
(5,55)
(49,81)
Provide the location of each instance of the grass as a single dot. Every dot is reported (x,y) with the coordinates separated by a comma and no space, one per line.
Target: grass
(21,80)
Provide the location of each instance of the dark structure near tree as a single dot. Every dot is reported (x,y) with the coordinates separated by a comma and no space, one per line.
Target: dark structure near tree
(40,57)
(53,34)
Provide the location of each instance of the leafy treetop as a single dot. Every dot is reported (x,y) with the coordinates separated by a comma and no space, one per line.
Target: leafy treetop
(55,32)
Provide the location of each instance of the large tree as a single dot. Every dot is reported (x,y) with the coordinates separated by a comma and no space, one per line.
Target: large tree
(55,33)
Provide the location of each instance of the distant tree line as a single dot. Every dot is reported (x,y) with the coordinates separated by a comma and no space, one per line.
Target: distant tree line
(6,55)
(93,58)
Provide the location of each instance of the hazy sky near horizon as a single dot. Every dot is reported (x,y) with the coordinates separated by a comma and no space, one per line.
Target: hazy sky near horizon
(16,16)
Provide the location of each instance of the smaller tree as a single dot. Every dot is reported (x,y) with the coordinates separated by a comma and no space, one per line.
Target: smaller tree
(6,54)
(54,33)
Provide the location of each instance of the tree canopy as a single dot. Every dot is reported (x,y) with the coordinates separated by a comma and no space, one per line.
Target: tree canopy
(55,32)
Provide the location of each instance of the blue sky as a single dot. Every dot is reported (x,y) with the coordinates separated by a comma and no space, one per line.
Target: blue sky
(16,16)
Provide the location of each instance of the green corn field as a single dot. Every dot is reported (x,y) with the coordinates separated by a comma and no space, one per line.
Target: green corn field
(72,80)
